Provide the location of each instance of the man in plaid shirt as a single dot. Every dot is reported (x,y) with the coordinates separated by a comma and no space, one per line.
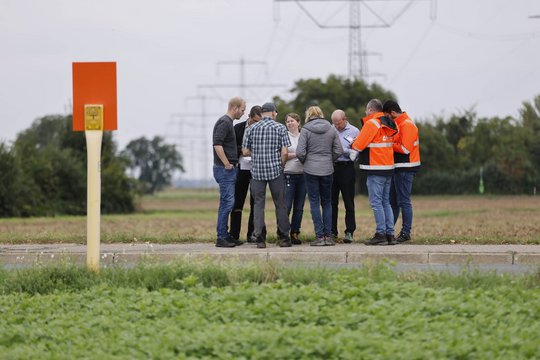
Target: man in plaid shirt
(267,142)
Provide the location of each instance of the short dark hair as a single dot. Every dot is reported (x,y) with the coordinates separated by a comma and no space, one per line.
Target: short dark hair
(255,110)
(391,105)
(296,117)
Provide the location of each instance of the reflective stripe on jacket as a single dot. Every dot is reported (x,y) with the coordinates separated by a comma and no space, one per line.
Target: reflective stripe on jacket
(406,145)
(375,143)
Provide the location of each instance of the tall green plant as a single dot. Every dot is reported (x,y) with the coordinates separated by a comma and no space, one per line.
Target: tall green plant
(153,161)
(335,92)
(10,189)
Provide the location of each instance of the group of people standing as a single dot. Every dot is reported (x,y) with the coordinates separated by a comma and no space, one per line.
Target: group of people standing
(318,160)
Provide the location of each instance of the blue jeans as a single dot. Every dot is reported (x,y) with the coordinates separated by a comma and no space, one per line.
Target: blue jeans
(379,199)
(295,195)
(319,189)
(226,180)
(400,199)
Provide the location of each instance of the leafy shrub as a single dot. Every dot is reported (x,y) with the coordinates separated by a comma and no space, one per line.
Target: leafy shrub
(44,172)
(367,313)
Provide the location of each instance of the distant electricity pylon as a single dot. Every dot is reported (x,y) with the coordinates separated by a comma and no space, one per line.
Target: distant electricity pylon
(357,62)
(242,85)
(194,137)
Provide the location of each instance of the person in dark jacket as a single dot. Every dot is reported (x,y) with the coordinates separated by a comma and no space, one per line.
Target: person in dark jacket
(243,178)
(318,148)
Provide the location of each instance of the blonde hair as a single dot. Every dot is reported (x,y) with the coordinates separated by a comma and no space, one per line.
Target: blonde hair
(314,112)
(236,102)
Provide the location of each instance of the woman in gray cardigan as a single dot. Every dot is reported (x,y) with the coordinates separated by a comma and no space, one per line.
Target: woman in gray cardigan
(318,147)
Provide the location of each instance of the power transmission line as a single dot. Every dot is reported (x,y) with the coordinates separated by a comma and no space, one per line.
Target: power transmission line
(357,57)
(242,85)
(193,137)
(193,144)
(205,129)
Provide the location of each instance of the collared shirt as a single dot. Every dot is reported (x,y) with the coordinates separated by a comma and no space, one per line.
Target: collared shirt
(265,140)
(347,136)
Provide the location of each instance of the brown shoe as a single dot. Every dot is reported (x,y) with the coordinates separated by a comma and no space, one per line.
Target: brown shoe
(295,239)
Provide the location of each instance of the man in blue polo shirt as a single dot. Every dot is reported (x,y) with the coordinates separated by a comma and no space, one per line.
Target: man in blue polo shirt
(267,142)
(344,176)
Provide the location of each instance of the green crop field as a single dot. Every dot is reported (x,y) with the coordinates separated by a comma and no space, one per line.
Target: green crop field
(177,216)
(208,311)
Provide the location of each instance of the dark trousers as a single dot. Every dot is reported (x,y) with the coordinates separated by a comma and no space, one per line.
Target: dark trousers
(240,193)
(277,189)
(295,195)
(344,182)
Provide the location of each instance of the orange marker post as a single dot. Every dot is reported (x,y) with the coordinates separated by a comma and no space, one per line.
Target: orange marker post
(94,110)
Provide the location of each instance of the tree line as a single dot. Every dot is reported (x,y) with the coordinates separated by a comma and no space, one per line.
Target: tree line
(43,172)
(454,150)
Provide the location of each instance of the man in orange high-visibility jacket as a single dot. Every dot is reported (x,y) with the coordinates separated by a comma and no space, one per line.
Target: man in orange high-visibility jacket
(376,157)
(407,162)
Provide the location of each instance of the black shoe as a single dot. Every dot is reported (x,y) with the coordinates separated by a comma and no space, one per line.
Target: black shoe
(224,243)
(391,239)
(252,239)
(261,245)
(285,242)
(294,239)
(377,239)
(403,237)
(236,242)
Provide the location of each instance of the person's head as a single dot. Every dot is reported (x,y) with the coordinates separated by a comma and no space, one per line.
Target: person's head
(269,110)
(293,122)
(339,119)
(314,112)
(392,109)
(255,114)
(237,107)
(373,106)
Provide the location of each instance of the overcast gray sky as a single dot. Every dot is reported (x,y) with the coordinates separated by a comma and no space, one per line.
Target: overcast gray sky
(481,53)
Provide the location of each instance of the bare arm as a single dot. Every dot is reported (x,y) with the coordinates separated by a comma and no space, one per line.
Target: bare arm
(284,155)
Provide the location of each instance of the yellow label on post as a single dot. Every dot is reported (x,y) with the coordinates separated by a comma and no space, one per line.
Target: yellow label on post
(93,117)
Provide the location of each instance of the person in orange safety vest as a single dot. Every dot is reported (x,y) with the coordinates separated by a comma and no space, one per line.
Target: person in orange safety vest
(376,157)
(407,163)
